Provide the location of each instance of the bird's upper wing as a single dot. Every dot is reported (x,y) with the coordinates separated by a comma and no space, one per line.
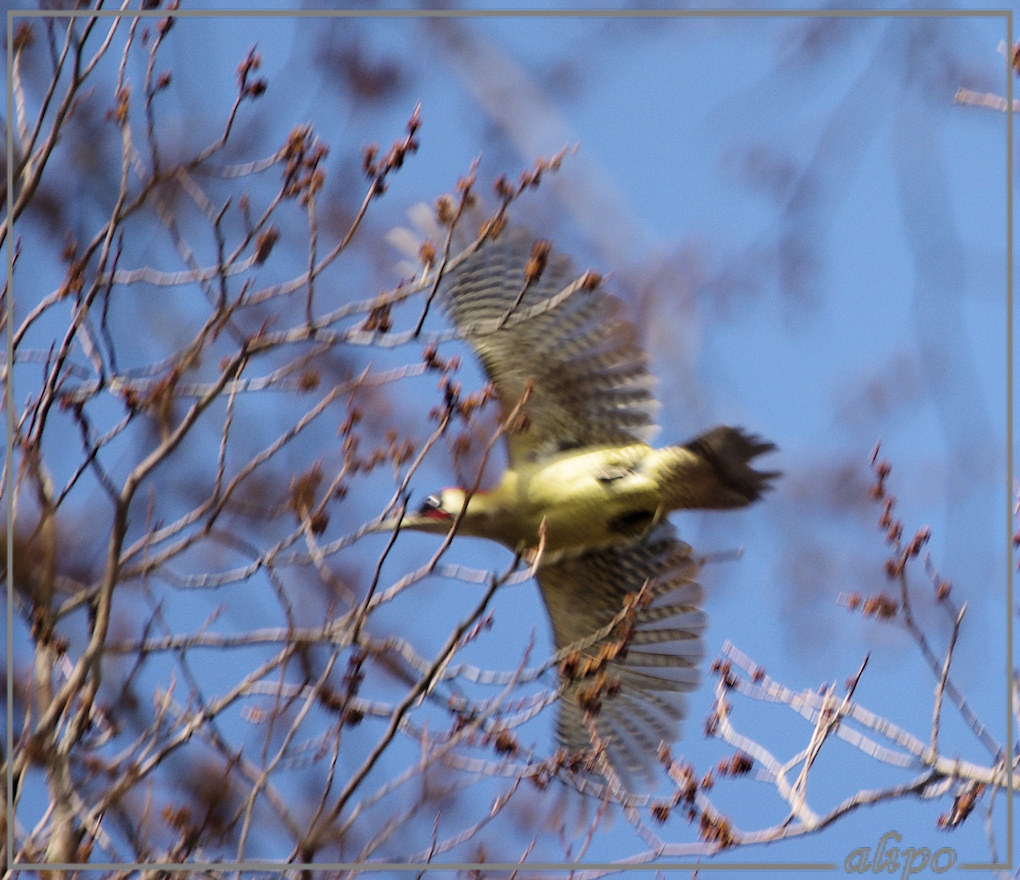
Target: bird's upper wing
(569,346)
(627,679)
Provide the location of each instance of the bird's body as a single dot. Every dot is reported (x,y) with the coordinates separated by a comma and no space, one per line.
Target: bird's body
(580,499)
(585,496)
(575,499)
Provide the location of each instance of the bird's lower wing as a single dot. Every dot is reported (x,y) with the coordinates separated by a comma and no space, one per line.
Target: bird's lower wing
(627,622)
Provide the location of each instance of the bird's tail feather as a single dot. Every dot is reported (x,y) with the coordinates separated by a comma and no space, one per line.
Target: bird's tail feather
(714,472)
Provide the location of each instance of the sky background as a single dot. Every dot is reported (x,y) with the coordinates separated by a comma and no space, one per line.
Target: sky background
(811,238)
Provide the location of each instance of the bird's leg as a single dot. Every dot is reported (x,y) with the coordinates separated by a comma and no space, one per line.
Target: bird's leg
(660,513)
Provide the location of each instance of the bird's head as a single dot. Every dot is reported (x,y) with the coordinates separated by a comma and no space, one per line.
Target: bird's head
(435,514)
(440,508)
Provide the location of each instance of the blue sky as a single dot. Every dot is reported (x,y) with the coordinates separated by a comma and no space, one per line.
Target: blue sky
(811,238)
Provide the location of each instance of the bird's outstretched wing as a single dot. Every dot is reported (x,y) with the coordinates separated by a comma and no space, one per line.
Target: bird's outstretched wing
(627,680)
(566,343)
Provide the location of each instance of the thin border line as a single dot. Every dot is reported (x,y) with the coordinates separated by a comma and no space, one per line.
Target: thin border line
(491,13)
(8,450)
(1008,758)
(511,13)
(423,867)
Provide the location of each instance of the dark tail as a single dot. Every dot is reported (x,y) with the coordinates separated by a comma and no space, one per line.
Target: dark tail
(720,475)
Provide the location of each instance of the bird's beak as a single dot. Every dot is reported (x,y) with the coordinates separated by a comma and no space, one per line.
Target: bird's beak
(431,521)
(393,523)
(430,517)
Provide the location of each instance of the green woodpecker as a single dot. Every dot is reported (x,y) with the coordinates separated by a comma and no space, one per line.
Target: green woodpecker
(585,497)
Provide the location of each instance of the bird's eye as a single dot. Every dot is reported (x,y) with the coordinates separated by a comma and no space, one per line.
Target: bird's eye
(432,506)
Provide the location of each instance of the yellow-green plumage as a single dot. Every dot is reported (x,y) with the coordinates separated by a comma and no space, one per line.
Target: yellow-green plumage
(578,495)
(584,485)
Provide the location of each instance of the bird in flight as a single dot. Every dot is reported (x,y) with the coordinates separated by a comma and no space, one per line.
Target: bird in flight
(585,497)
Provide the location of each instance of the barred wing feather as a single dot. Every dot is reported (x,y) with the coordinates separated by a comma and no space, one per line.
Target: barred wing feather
(634,697)
(588,377)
